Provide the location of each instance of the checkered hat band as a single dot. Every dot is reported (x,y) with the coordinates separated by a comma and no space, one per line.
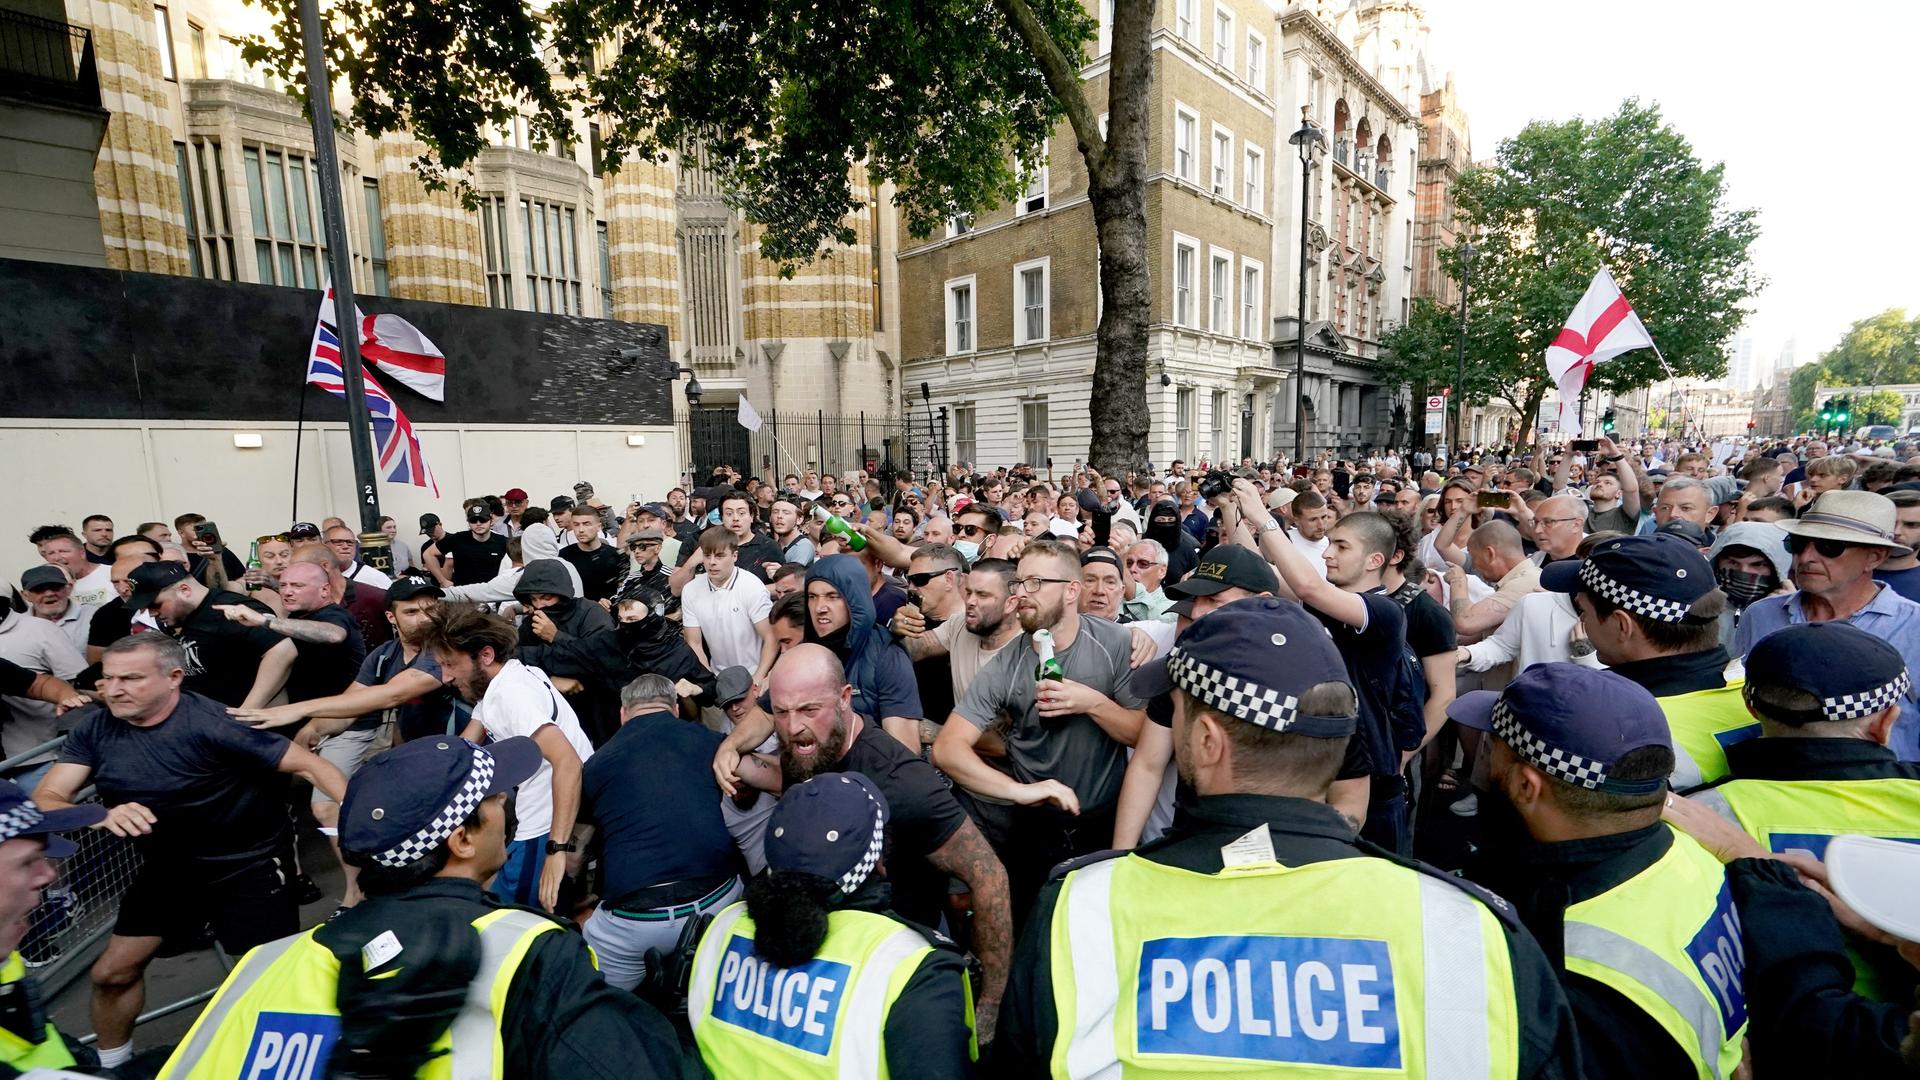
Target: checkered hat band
(19,819)
(862,870)
(472,792)
(1645,605)
(1551,760)
(1866,703)
(1231,694)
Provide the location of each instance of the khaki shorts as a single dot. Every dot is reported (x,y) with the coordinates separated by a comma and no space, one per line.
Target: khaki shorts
(347,751)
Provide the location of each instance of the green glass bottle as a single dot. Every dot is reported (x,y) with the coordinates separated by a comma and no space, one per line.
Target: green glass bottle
(838,526)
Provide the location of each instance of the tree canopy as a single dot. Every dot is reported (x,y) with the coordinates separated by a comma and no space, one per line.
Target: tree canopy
(1883,349)
(1559,200)
(786,96)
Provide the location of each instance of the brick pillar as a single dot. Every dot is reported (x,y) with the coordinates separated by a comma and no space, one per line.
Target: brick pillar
(433,242)
(134,175)
(641,245)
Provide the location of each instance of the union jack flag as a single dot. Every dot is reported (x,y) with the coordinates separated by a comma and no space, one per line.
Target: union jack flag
(396,444)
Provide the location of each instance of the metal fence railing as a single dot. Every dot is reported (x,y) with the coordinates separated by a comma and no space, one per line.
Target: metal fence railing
(47,58)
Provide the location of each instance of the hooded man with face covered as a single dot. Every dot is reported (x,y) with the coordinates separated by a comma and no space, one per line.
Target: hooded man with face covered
(841,616)
(642,642)
(1750,563)
(554,610)
(1183,551)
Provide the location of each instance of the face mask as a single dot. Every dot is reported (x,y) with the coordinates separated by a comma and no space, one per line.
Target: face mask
(968,550)
(1742,588)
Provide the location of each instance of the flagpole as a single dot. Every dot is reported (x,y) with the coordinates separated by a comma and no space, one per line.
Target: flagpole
(375,548)
(299,431)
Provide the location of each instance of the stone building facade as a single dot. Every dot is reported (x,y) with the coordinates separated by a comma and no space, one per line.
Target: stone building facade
(207,169)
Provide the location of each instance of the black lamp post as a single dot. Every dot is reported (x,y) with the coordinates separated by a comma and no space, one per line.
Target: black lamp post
(1310,142)
(1460,351)
(694,393)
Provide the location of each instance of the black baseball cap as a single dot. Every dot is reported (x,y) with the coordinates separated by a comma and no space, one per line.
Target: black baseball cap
(20,817)
(1227,566)
(1101,555)
(409,588)
(304,530)
(1572,723)
(1253,660)
(149,580)
(429,522)
(1852,672)
(478,512)
(833,826)
(403,803)
(1657,577)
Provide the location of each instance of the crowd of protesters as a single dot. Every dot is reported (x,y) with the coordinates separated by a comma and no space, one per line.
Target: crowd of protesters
(1583,722)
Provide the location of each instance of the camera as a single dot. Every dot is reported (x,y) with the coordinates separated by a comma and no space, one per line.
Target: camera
(1218,482)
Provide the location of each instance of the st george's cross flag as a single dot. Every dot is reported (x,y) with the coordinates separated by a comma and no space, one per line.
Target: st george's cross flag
(397,348)
(1601,327)
(396,444)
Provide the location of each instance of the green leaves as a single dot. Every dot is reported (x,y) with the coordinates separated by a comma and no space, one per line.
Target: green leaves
(787,95)
(1561,199)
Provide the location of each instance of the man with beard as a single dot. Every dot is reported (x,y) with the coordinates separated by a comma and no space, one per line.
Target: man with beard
(933,838)
(223,656)
(934,577)
(643,641)
(1066,737)
(1183,551)
(475,652)
(554,612)
(990,621)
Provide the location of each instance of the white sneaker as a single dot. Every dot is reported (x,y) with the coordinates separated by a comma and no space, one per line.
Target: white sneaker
(1466,807)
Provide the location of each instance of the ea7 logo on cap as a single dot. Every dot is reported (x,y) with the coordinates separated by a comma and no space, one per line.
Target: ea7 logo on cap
(1212,571)
(290,1046)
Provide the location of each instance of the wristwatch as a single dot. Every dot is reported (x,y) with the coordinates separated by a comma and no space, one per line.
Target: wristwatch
(554,846)
(1269,525)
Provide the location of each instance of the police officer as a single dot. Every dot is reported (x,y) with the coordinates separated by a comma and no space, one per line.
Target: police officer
(1260,936)
(1827,695)
(429,976)
(810,976)
(1651,608)
(1638,917)
(27,841)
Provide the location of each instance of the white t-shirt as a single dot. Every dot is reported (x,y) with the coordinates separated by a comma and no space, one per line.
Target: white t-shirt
(96,588)
(726,616)
(1312,549)
(367,575)
(520,701)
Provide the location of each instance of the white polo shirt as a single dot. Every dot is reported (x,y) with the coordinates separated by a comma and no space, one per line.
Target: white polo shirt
(725,617)
(520,701)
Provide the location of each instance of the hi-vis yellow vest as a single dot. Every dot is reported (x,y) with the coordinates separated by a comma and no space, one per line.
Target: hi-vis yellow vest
(1668,939)
(823,1018)
(1704,723)
(49,1053)
(275,1015)
(1353,967)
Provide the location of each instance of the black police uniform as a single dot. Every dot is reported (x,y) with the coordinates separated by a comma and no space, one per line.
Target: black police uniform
(1617,1037)
(1682,673)
(1303,832)
(1803,1018)
(561,1019)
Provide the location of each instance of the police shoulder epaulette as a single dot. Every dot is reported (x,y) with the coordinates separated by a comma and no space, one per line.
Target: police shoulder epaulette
(1068,867)
(1494,901)
(934,937)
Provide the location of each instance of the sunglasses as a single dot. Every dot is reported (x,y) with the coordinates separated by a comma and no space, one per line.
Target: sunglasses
(281,538)
(919,581)
(1828,549)
(970,530)
(1141,564)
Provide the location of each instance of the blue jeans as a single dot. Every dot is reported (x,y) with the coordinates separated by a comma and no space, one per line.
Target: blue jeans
(518,882)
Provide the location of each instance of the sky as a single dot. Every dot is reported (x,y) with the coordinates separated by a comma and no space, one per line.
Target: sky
(1809,106)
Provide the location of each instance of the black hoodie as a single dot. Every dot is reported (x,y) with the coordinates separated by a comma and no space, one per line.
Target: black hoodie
(572,616)
(1183,551)
(607,660)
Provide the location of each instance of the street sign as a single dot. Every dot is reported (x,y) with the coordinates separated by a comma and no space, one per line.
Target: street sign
(1436,413)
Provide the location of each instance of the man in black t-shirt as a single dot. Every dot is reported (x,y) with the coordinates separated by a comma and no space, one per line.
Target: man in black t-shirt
(602,566)
(202,796)
(222,657)
(932,837)
(323,646)
(472,557)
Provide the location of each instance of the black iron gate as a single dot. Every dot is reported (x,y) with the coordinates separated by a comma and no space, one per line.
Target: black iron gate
(716,438)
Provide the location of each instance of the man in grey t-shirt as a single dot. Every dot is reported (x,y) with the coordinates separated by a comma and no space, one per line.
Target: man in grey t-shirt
(1065,741)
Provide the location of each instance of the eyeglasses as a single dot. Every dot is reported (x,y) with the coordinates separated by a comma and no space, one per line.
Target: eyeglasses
(1828,549)
(919,581)
(1142,564)
(1557,520)
(1035,584)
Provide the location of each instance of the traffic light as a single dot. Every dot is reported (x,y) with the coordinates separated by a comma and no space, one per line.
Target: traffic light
(1843,407)
(1606,421)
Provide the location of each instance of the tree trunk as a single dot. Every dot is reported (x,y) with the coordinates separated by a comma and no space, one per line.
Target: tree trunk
(1116,181)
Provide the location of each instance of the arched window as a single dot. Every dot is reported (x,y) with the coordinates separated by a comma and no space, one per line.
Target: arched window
(1342,127)
(1363,148)
(1383,155)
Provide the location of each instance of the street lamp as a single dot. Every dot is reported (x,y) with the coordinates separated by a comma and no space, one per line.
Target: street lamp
(1460,352)
(694,393)
(1309,141)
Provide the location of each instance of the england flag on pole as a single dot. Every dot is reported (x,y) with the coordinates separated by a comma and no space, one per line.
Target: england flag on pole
(396,444)
(1601,327)
(396,347)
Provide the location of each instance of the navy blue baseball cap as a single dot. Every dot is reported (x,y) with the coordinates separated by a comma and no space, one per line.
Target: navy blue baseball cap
(1658,577)
(1572,723)
(1852,672)
(20,817)
(833,826)
(403,803)
(1253,660)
